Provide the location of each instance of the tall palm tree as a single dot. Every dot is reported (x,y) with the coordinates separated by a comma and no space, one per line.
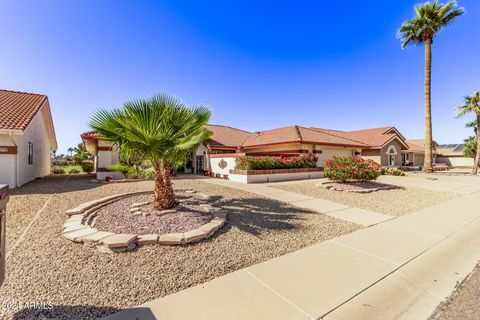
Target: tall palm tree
(161,130)
(429,18)
(472,104)
(70,150)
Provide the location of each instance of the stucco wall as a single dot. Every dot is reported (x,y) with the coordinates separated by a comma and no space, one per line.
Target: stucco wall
(328,153)
(108,157)
(7,163)
(215,165)
(35,133)
(456,161)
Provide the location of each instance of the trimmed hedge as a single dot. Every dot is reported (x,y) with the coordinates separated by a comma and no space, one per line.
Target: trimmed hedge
(351,169)
(305,160)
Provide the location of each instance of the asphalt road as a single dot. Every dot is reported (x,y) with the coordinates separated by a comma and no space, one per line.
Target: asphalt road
(464,304)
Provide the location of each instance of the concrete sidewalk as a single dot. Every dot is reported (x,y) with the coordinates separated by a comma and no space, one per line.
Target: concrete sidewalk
(399,268)
(359,216)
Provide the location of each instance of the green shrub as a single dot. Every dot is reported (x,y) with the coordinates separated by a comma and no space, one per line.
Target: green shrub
(73,171)
(87,166)
(392,172)
(306,160)
(58,170)
(351,169)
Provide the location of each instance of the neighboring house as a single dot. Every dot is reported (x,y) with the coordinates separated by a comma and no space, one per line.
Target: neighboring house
(386,146)
(27,137)
(452,155)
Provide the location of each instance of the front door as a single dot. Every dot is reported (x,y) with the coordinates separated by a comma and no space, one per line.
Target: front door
(199,164)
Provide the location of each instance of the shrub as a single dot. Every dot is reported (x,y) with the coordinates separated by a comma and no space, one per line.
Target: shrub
(73,171)
(306,160)
(87,166)
(352,169)
(58,170)
(393,172)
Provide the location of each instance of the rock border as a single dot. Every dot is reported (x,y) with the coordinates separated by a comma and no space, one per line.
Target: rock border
(79,227)
(325,185)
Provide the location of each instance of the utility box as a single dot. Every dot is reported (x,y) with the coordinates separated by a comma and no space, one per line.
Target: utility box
(4,197)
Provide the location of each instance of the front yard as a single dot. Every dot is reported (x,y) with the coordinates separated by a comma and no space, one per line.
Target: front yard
(81,283)
(395,202)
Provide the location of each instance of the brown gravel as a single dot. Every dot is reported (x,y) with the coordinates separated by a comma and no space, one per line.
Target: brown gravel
(359,185)
(82,283)
(117,218)
(395,202)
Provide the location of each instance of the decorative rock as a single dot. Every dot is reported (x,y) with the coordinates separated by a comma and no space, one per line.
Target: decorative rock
(139,204)
(210,228)
(94,237)
(147,239)
(105,249)
(146,214)
(138,213)
(133,210)
(194,235)
(74,228)
(162,212)
(119,240)
(75,235)
(190,191)
(221,215)
(171,239)
(72,223)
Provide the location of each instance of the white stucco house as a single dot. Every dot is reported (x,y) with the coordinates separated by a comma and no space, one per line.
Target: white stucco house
(27,137)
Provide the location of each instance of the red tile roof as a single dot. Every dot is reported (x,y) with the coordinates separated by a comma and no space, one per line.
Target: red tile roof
(297,134)
(374,137)
(224,136)
(414,147)
(17,109)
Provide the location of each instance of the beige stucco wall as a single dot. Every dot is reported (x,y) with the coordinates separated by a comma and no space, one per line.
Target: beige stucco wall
(36,133)
(215,165)
(330,152)
(8,163)
(455,161)
(106,158)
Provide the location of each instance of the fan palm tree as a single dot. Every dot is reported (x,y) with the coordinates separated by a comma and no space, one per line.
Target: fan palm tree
(472,104)
(70,150)
(158,129)
(429,19)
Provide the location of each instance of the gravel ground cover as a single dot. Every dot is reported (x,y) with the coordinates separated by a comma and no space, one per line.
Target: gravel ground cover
(358,186)
(463,304)
(25,202)
(74,281)
(395,202)
(117,218)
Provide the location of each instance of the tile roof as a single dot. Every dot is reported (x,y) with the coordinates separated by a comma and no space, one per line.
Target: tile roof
(414,147)
(17,109)
(224,136)
(297,134)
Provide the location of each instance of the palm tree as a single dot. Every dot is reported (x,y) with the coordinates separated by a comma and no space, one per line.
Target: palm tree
(70,150)
(158,129)
(429,18)
(472,104)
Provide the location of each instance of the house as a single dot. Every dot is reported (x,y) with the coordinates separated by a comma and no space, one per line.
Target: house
(27,137)
(452,155)
(386,146)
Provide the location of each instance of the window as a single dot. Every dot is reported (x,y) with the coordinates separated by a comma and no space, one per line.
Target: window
(391,153)
(30,153)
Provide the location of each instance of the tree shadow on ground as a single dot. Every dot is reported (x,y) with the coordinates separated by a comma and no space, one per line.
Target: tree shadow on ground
(254,215)
(77,312)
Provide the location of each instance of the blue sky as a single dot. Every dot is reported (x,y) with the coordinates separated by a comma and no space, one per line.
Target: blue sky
(257,65)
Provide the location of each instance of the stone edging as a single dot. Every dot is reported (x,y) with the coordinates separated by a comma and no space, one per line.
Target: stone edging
(79,228)
(325,185)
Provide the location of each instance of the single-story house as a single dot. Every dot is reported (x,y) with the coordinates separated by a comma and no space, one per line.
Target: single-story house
(386,146)
(452,155)
(27,137)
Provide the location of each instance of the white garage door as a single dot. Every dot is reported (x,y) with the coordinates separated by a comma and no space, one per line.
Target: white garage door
(330,153)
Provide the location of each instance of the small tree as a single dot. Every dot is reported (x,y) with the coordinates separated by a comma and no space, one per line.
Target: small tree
(472,105)
(81,154)
(161,130)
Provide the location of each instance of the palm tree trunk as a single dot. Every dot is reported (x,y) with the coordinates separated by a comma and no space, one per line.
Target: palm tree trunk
(477,156)
(168,186)
(161,196)
(428,161)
